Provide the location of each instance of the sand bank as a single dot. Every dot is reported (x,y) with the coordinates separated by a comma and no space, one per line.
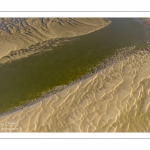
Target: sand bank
(115,97)
(146,21)
(32,49)
(19,34)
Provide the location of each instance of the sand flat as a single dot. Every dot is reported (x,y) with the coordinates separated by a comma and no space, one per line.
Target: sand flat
(90,105)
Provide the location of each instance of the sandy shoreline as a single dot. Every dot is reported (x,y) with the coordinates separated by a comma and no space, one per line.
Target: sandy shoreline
(146,21)
(32,49)
(101,101)
(19,34)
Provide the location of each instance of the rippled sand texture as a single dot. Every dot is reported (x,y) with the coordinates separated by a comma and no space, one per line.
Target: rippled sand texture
(116,98)
(18,33)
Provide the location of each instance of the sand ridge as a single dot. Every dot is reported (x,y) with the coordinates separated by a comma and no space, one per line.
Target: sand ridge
(116,97)
(20,33)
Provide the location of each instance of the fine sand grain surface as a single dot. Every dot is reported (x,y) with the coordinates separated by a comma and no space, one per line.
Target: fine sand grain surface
(116,97)
(20,37)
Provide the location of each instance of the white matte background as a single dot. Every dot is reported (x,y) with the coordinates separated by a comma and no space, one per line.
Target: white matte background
(74,5)
(40,8)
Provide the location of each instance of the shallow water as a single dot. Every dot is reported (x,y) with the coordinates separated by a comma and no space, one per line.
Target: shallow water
(27,78)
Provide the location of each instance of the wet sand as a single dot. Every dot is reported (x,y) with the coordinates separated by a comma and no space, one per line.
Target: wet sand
(114,97)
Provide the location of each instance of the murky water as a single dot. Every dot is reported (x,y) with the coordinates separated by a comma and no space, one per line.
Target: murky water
(26,79)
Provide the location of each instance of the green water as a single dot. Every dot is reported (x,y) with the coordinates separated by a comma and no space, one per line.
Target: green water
(25,79)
